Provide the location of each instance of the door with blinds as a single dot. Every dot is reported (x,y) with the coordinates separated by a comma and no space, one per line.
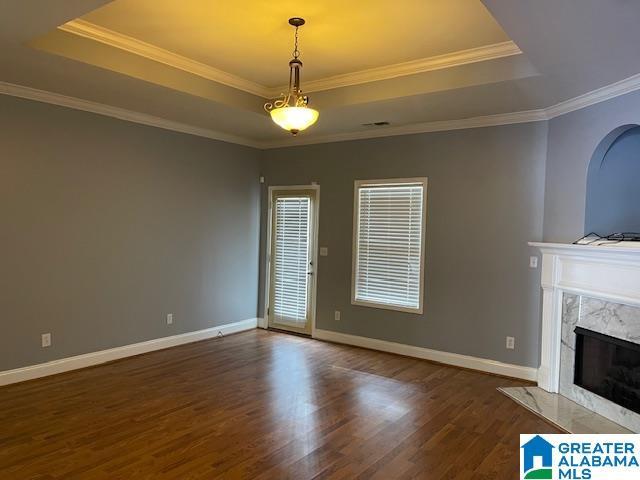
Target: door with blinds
(292,272)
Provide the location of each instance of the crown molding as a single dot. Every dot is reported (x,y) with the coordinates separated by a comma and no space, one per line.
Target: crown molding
(132,45)
(439,62)
(437,126)
(628,85)
(103,35)
(120,113)
(479,54)
(464,57)
(608,92)
(594,97)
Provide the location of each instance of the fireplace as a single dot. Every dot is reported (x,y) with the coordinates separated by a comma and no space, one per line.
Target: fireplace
(596,288)
(608,367)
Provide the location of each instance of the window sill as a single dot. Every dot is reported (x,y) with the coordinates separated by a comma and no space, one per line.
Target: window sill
(385,306)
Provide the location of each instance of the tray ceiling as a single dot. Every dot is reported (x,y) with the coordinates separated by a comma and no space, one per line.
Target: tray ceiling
(206,66)
(252,40)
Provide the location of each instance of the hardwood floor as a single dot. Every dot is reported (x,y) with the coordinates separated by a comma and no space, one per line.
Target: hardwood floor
(263,405)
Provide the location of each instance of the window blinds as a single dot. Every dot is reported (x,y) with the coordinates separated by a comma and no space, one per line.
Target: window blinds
(291,260)
(389,245)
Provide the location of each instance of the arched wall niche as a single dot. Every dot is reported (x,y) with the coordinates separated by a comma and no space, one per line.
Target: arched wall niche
(613,183)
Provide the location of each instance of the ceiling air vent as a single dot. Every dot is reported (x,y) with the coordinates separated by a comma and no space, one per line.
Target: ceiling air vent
(375,124)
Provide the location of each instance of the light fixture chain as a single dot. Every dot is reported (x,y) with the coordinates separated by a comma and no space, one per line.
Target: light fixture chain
(296,52)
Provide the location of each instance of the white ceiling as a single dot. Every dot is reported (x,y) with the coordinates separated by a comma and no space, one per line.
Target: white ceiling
(412,64)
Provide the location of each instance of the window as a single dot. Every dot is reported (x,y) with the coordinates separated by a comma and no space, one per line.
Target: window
(388,244)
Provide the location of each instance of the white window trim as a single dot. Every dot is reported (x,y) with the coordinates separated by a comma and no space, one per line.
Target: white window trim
(354,250)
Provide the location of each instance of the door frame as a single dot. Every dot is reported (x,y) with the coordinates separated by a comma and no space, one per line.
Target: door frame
(314,250)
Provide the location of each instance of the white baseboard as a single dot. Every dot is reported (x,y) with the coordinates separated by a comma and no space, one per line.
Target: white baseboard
(103,356)
(88,359)
(455,359)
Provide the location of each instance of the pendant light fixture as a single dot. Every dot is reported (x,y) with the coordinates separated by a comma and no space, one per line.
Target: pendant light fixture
(291,111)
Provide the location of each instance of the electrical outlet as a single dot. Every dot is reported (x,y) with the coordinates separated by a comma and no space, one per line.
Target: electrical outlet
(46,340)
(336,315)
(169,318)
(533,262)
(511,343)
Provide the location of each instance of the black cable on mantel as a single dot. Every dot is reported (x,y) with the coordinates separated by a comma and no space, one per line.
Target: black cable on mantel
(594,238)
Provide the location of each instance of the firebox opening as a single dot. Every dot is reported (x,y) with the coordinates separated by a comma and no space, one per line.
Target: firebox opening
(608,367)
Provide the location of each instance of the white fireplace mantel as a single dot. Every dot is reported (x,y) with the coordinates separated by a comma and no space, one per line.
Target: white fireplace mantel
(610,272)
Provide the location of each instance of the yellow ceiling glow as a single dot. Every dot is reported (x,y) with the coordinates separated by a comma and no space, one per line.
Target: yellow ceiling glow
(252,39)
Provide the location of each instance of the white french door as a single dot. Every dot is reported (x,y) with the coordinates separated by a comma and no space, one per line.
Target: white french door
(292,269)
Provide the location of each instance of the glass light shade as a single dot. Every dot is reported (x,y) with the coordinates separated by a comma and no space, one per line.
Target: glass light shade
(294,119)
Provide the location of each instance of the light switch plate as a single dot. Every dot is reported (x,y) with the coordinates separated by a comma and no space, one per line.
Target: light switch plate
(324,251)
(533,261)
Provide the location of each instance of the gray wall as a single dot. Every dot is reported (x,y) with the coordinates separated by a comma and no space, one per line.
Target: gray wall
(485,202)
(107,226)
(613,187)
(573,139)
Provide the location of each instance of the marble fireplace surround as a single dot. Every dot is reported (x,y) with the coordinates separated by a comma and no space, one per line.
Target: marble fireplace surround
(609,318)
(595,287)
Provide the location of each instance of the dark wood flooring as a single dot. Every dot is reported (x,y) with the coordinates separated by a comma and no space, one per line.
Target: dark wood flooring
(263,405)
